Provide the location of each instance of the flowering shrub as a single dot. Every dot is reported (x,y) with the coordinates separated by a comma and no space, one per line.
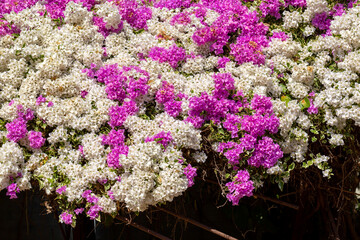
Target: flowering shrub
(121,101)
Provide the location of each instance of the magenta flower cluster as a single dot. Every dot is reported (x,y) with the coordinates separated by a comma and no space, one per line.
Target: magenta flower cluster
(166,96)
(98,21)
(271,7)
(91,198)
(279,35)
(66,218)
(56,8)
(181,18)
(93,211)
(36,139)
(61,190)
(115,139)
(312,109)
(162,138)
(40,100)
(323,20)
(165,93)
(241,186)
(232,17)
(248,49)
(215,107)
(235,17)
(222,62)
(78,211)
(7,6)
(246,122)
(172,4)
(173,55)
(17,129)
(266,153)
(118,114)
(119,87)
(7,28)
(233,150)
(190,173)
(12,190)
(136,15)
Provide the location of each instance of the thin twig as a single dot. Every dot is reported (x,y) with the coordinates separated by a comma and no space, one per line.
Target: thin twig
(93,230)
(354,193)
(198,224)
(286,204)
(142,228)
(288,194)
(296,207)
(332,222)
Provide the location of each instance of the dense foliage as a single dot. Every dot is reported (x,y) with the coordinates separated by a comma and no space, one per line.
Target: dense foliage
(106,105)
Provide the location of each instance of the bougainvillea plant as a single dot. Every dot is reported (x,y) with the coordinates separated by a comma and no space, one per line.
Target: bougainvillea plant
(101,99)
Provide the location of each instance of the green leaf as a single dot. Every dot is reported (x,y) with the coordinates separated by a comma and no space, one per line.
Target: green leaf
(291,167)
(285,99)
(281,185)
(283,88)
(139,31)
(314,131)
(305,103)
(41,185)
(73,224)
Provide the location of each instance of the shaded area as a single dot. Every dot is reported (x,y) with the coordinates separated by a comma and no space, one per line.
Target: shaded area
(254,218)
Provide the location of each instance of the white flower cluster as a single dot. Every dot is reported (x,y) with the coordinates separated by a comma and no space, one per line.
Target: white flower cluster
(183,133)
(151,175)
(313,7)
(110,14)
(46,60)
(11,166)
(292,19)
(249,77)
(42,69)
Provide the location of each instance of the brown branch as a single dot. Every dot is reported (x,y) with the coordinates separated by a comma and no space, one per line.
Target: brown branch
(198,224)
(286,204)
(296,207)
(342,190)
(333,225)
(288,194)
(350,226)
(142,228)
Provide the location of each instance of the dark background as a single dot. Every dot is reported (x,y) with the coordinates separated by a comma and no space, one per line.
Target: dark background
(26,218)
